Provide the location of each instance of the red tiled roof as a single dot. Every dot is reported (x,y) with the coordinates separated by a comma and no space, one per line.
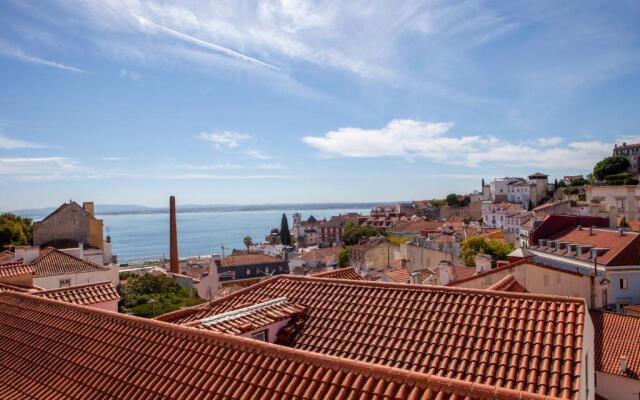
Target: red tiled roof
(517,341)
(622,248)
(508,284)
(414,226)
(50,349)
(616,335)
(321,254)
(7,257)
(400,275)
(340,273)
(13,288)
(250,318)
(518,263)
(460,273)
(55,262)
(85,295)
(15,269)
(248,259)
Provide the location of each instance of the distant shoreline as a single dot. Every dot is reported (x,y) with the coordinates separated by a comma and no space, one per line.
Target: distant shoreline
(139,210)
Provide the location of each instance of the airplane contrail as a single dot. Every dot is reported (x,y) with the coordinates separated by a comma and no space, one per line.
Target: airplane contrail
(205,44)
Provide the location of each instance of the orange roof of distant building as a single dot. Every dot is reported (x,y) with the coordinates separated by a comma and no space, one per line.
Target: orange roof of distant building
(324,254)
(90,293)
(248,259)
(155,360)
(616,335)
(340,273)
(621,248)
(508,284)
(15,269)
(442,331)
(414,226)
(55,262)
(399,275)
(7,257)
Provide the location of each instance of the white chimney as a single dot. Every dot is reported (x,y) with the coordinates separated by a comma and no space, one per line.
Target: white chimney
(623,364)
(483,263)
(30,254)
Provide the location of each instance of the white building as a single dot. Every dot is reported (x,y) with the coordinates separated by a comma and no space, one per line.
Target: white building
(495,214)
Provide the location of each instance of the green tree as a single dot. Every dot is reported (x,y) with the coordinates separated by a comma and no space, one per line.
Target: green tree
(623,223)
(15,230)
(497,249)
(149,296)
(353,233)
(248,241)
(610,166)
(285,234)
(453,200)
(344,257)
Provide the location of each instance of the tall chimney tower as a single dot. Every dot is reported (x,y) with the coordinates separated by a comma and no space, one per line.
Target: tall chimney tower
(173,237)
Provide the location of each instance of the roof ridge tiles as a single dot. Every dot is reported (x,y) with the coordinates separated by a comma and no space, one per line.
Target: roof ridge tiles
(450,385)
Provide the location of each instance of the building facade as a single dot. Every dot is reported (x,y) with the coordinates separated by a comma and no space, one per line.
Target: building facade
(632,153)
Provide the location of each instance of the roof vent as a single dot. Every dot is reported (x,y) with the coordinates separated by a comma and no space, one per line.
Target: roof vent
(621,231)
(591,231)
(579,227)
(623,364)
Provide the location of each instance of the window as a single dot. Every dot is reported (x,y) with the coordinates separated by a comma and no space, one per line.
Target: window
(624,283)
(605,296)
(248,271)
(65,282)
(262,336)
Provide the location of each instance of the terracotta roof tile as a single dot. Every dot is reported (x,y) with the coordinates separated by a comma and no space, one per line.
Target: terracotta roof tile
(13,288)
(473,335)
(400,275)
(250,318)
(616,335)
(460,273)
(508,284)
(605,238)
(55,262)
(15,269)
(340,273)
(248,259)
(54,350)
(7,257)
(88,294)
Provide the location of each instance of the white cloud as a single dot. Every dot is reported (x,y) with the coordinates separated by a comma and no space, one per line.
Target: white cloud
(257,154)
(37,168)
(134,76)
(225,138)
(8,143)
(433,141)
(271,166)
(113,158)
(19,54)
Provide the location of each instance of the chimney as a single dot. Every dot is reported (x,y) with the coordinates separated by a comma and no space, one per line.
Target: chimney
(89,207)
(591,230)
(623,364)
(173,237)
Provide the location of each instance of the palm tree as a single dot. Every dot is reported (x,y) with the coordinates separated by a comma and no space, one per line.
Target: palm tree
(248,242)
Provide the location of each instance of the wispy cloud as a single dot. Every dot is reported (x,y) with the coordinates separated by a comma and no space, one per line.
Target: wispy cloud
(257,154)
(224,138)
(9,143)
(433,141)
(18,54)
(203,43)
(37,168)
(134,76)
(113,158)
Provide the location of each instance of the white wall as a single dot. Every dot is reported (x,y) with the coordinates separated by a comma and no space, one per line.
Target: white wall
(587,366)
(53,282)
(614,387)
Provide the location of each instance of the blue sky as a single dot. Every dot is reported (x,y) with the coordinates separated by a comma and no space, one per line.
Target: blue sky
(126,102)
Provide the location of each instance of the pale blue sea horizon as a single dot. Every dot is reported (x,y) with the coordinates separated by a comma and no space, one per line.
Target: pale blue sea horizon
(138,237)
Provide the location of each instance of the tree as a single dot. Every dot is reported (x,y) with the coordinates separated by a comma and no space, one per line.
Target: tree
(248,242)
(453,200)
(530,206)
(285,235)
(555,184)
(353,233)
(497,249)
(15,230)
(623,223)
(610,166)
(344,257)
(482,183)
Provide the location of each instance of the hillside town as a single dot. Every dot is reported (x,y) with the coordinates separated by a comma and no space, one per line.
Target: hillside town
(526,288)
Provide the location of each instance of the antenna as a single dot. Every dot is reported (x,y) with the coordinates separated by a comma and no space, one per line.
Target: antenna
(222,246)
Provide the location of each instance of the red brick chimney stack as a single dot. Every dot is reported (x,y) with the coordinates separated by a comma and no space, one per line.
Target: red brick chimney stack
(173,237)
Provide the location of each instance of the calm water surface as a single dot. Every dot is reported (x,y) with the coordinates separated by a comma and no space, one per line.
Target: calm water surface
(146,236)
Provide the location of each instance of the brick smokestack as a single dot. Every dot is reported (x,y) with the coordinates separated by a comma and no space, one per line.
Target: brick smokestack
(173,237)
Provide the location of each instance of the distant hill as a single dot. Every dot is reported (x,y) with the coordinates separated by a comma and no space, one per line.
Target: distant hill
(121,209)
